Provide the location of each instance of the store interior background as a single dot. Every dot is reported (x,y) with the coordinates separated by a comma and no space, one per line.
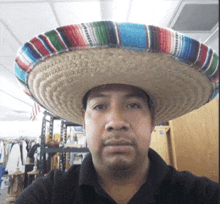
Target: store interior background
(21,20)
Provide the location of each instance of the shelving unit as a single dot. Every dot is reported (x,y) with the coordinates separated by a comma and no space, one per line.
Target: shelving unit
(61,149)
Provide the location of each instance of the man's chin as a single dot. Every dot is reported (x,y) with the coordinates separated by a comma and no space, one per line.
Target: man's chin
(119,162)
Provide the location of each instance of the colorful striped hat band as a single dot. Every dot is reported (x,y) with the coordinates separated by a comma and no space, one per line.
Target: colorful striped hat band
(58,67)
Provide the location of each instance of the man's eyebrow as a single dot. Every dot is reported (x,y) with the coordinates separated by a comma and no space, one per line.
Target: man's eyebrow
(127,96)
(98,95)
(135,95)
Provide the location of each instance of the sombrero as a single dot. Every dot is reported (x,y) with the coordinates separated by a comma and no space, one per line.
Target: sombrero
(58,67)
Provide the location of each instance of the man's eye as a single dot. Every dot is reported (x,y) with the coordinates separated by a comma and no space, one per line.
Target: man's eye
(99,107)
(133,105)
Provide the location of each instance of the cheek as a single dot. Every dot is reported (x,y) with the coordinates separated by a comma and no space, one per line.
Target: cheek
(93,131)
(143,131)
(90,131)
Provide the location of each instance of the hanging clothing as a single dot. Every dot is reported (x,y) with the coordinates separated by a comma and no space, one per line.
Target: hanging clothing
(24,152)
(2,171)
(2,152)
(10,147)
(14,160)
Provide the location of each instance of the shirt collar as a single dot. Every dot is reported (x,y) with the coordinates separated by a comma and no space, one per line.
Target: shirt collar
(88,174)
(157,170)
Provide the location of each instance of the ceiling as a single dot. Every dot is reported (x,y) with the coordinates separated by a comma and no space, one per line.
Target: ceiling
(22,20)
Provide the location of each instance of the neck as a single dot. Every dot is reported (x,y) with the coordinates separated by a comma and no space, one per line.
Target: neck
(121,185)
(122,177)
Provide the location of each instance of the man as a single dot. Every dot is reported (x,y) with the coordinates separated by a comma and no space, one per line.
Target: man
(119,95)
(118,122)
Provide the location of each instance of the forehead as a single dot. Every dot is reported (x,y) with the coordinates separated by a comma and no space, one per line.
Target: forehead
(119,89)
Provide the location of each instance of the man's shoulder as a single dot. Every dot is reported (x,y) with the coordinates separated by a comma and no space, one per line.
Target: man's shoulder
(187,186)
(58,176)
(187,178)
(52,188)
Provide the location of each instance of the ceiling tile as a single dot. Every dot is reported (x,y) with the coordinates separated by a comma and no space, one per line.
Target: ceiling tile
(19,1)
(77,12)
(74,1)
(107,8)
(7,62)
(120,10)
(157,12)
(27,20)
(8,45)
(14,97)
(13,104)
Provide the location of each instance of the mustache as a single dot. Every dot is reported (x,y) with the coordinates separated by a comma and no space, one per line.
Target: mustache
(116,136)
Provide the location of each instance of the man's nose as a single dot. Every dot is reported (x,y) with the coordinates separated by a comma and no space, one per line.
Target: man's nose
(116,121)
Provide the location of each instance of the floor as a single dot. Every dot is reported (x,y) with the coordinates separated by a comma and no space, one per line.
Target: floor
(4,190)
(4,196)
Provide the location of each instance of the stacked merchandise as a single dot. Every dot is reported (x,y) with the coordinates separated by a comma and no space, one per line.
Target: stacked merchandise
(76,138)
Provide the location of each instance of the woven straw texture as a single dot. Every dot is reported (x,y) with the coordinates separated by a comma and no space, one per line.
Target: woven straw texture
(179,73)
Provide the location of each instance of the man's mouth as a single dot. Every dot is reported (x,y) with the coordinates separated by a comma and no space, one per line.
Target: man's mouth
(118,145)
(118,142)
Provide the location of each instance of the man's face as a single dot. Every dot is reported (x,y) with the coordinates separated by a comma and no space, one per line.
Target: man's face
(118,126)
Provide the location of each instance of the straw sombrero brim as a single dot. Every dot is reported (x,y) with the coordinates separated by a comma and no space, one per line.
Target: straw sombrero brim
(175,84)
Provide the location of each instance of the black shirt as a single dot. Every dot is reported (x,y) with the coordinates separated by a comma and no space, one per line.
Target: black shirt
(79,185)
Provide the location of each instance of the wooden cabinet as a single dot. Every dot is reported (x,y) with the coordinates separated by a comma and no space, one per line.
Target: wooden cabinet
(160,142)
(191,142)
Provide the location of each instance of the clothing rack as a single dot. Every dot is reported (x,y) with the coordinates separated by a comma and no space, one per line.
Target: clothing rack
(61,149)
